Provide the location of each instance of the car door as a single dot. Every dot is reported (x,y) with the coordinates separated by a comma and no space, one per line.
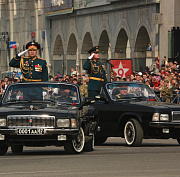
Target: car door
(108,116)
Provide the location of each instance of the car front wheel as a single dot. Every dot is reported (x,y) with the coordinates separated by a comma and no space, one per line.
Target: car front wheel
(76,145)
(133,133)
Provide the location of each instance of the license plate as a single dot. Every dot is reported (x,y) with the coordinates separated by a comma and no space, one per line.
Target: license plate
(30,131)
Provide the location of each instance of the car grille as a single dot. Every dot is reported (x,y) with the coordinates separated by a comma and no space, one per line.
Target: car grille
(30,121)
(176,116)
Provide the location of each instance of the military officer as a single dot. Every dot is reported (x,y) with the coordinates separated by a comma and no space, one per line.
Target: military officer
(66,95)
(123,92)
(96,70)
(32,67)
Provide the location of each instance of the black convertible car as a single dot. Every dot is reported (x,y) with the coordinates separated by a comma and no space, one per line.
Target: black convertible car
(132,110)
(45,114)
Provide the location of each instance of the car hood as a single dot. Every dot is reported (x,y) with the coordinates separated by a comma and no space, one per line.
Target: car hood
(37,109)
(159,105)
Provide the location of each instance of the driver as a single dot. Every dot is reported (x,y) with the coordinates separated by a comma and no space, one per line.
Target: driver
(123,92)
(64,94)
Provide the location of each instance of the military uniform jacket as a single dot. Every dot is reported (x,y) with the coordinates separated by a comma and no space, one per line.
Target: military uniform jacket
(96,70)
(120,96)
(33,69)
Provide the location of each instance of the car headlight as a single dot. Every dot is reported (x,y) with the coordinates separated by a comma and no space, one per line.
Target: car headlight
(63,123)
(2,122)
(155,117)
(73,123)
(164,117)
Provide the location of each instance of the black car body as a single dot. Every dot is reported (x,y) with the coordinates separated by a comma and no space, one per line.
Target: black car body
(43,114)
(140,114)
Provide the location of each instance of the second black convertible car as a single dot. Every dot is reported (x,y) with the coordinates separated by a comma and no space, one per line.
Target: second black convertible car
(45,114)
(132,110)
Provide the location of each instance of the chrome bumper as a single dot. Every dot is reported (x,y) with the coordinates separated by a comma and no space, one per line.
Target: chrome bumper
(47,132)
(165,124)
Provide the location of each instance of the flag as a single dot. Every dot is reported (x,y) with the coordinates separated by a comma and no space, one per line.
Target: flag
(151,98)
(14,46)
(74,101)
(122,68)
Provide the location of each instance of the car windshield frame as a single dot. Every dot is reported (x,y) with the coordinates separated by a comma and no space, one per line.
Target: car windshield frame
(35,92)
(151,95)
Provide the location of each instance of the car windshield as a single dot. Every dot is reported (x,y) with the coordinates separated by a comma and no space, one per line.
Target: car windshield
(119,91)
(42,92)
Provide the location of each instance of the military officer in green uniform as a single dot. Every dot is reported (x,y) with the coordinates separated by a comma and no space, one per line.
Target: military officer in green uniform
(123,92)
(66,95)
(32,67)
(96,70)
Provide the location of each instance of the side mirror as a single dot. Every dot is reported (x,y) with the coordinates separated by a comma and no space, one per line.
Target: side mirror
(101,98)
(87,101)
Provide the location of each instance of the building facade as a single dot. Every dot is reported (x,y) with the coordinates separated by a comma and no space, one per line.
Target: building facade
(21,21)
(67,29)
(121,29)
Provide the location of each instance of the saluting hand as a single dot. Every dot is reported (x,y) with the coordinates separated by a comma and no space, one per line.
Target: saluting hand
(91,56)
(23,52)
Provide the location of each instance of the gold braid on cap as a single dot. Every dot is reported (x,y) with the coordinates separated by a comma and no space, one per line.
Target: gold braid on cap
(32,47)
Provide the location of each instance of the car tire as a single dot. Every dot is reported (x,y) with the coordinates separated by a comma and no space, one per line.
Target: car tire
(133,133)
(89,146)
(75,146)
(17,149)
(3,149)
(100,141)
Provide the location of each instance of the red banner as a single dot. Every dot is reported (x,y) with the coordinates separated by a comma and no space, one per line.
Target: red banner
(122,68)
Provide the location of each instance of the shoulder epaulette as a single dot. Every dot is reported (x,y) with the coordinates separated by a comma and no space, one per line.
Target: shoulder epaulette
(40,58)
(118,95)
(17,58)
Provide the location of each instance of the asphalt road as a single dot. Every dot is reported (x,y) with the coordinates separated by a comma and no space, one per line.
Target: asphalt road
(156,158)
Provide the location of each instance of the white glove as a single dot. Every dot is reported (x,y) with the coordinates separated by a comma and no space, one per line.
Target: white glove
(23,52)
(91,56)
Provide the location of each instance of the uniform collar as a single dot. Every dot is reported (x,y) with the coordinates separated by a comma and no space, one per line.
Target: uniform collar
(34,58)
(95,60)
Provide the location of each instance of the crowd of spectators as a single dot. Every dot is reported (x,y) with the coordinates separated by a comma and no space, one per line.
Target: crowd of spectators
(155,78)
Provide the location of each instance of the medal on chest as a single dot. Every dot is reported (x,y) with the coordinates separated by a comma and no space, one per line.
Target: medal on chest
(38,68)
(26,64)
